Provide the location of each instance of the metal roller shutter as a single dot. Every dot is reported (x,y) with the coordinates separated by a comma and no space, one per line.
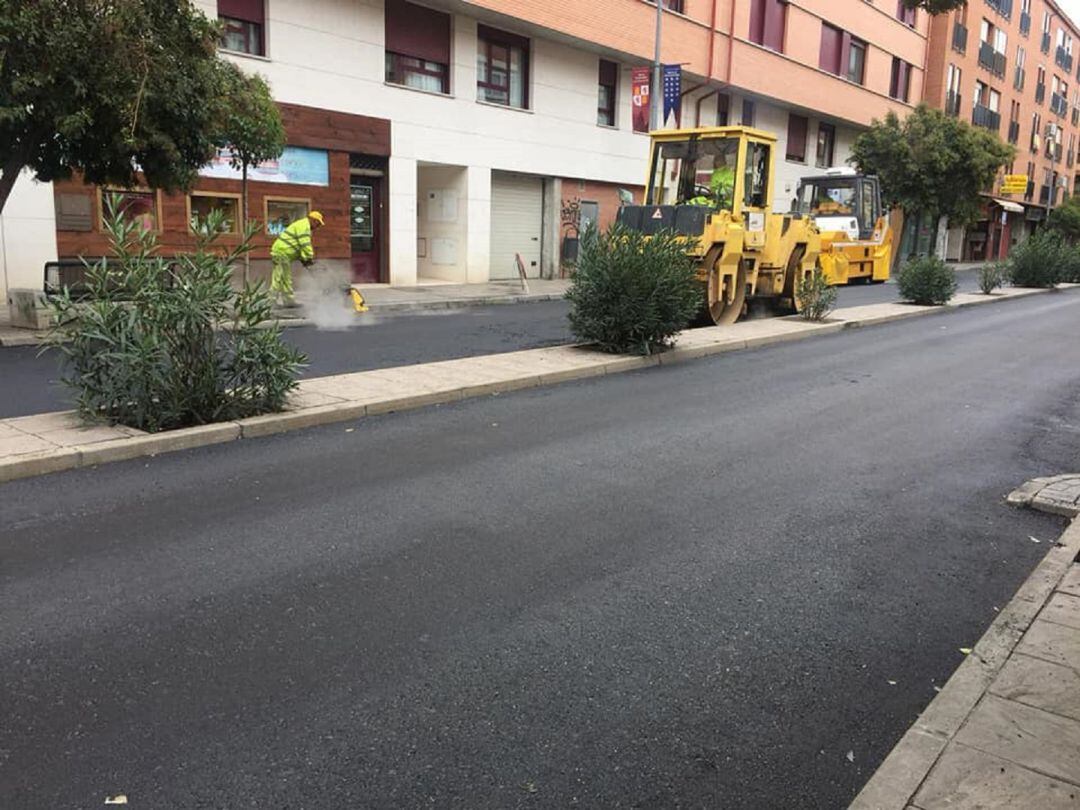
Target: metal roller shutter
(517,213)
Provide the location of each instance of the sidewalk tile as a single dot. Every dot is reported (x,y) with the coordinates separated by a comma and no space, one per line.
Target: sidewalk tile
(966,779)
(1062,609)
(90,434)
(42,422)
(1024,735)
(1038,683)
(1052,642)
(1071,583)
(19,444)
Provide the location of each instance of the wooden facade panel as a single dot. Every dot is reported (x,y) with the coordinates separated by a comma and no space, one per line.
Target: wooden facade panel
(338,133)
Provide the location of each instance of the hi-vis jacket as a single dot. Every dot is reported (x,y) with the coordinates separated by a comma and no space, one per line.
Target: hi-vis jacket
(295,242)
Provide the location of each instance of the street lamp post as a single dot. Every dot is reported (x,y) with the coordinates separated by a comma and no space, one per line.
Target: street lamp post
(656,93)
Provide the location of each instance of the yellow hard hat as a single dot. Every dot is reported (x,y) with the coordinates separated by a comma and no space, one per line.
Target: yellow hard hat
(315,215)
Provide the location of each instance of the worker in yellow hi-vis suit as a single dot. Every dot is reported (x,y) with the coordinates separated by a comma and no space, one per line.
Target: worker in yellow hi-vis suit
(293,243)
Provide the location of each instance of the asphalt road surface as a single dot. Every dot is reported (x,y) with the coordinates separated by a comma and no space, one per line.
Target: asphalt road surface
(380,341)
(731,583)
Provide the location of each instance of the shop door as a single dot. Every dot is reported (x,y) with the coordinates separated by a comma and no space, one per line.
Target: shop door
(364,219)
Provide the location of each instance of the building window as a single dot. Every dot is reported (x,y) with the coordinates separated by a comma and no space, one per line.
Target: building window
(904,14)
(137,205)
(900,82)
(747,113)
(796,138)
(417,47)
(826,145)
(856,65)
(952,88)
(723,107)
(201,204)
(607,93)
(243,23)
(502,68)
(281,212)
(767,23)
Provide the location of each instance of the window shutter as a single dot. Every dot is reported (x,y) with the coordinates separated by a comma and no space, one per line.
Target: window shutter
(247,10)
(832,40)
(774,25)
(609,73)
(74,212)
(796,137)
(419,32)
(495,35)
(757,21)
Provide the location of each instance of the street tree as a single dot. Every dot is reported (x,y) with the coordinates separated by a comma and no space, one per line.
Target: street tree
(935,6)
(107,88)
(251,130)
(931,163)
(1065,219)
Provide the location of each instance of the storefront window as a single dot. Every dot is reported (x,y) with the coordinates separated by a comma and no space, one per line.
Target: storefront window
(201,205)
(138,206)
(282,212)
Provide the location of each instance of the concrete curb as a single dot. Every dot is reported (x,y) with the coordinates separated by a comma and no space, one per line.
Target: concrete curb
(898,779)
(696,344)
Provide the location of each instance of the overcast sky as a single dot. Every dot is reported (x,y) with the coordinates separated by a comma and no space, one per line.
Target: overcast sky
(1072,8)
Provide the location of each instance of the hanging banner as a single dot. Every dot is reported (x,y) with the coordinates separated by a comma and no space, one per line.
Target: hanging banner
(672,92)
(639,89)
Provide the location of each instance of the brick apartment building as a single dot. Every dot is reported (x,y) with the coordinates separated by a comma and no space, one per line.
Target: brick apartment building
(1009,66)
(443,137)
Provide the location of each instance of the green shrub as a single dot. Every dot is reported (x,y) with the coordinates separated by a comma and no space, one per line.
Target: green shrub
(927,281)
(163,344)
(1039,260)
(993,275)
(815,297)
(1070,264)
(632,293)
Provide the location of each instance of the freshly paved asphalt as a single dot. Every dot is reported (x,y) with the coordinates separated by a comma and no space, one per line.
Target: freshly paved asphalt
(30,381)
(685,587)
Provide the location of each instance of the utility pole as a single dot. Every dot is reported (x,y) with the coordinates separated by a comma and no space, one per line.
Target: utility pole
(656,93)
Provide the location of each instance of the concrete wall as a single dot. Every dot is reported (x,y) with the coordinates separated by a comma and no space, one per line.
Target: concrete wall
(27,234)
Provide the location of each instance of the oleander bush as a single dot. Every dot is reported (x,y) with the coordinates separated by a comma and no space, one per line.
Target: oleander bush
(927,280)
(1040,260)
(815,296)
(631,293)
(164,343)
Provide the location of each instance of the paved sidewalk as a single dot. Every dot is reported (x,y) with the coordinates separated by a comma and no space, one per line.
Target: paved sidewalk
(36,445)
(1005,730)
(382,298)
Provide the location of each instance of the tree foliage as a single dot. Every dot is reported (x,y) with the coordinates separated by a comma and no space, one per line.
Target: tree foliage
(1065,219)
(931,162)
(105,87)
(251,125)
(935,6)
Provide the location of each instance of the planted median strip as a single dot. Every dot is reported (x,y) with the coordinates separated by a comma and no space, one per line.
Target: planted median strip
(52,442)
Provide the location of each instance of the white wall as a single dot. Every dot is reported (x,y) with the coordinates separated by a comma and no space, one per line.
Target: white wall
(27,234)
(445,239)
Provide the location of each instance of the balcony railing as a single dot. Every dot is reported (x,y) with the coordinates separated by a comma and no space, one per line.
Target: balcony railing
(991,60)
(1019,77)
(1064,59)
(985,117)
(959,38)
(1044,195)
(1058,104)
(1040,93)
(1070,159)
(1044,46)
(1025,23)
(952,103)
(1014,132)
(1076,116)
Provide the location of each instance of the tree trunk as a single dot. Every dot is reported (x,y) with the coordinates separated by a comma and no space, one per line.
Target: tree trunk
(244,218)
(11,169)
